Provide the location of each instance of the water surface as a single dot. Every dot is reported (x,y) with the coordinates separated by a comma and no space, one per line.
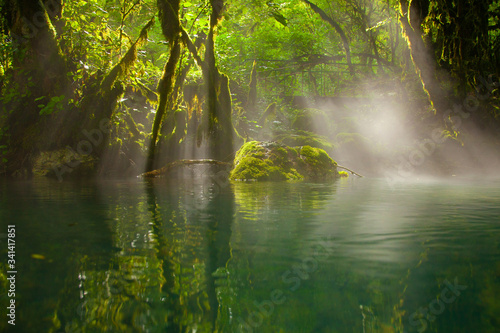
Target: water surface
(161,256)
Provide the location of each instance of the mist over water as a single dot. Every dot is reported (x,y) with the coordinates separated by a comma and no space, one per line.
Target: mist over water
(390,136)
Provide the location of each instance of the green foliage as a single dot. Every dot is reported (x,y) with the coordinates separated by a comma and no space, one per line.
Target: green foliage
(122,67)
(306,56)
(54,105)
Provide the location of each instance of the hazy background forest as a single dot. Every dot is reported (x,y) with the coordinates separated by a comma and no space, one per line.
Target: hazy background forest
(116,88)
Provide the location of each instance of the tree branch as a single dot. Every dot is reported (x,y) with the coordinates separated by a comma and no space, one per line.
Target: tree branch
(354,173)
(339,30)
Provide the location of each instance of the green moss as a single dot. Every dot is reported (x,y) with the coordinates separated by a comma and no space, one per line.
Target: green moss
(254,168)
(251,168)
(318,165)
(315,156)
(256,160)
(270,161)
(281,151)
(343,174)
(279,155)
(249,149)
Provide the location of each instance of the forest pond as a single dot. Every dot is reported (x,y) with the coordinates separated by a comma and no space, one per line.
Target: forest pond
(355,255)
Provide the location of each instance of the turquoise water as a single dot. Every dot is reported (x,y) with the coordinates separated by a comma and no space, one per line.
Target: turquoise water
(158,256)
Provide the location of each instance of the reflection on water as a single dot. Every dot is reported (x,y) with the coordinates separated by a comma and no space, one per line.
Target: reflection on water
(172,256)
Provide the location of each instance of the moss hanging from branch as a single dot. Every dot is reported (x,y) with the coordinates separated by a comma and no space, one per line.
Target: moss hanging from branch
(173,135)
(169,18)
(126,61)
(216,125)
(101,103)
(179,84)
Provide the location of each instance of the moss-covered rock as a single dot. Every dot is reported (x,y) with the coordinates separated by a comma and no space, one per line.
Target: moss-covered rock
(273,161)
(64,164)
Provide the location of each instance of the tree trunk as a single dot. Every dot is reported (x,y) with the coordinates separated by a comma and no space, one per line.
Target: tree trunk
(421,56)
(38,61)
(165,88)
(171,28)
(220,128)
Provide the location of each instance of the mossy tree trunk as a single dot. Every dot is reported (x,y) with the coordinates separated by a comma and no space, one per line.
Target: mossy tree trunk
(411,16)
(165,88)
(461,38)
(40,71)
(220,128)
(173,131)
(34,36)
(217,125)
(171,28)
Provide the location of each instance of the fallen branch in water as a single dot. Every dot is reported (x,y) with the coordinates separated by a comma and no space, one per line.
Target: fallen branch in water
(354,173)
(169,166)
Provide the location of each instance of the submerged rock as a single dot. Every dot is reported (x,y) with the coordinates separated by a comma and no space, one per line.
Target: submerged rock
(273,161)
